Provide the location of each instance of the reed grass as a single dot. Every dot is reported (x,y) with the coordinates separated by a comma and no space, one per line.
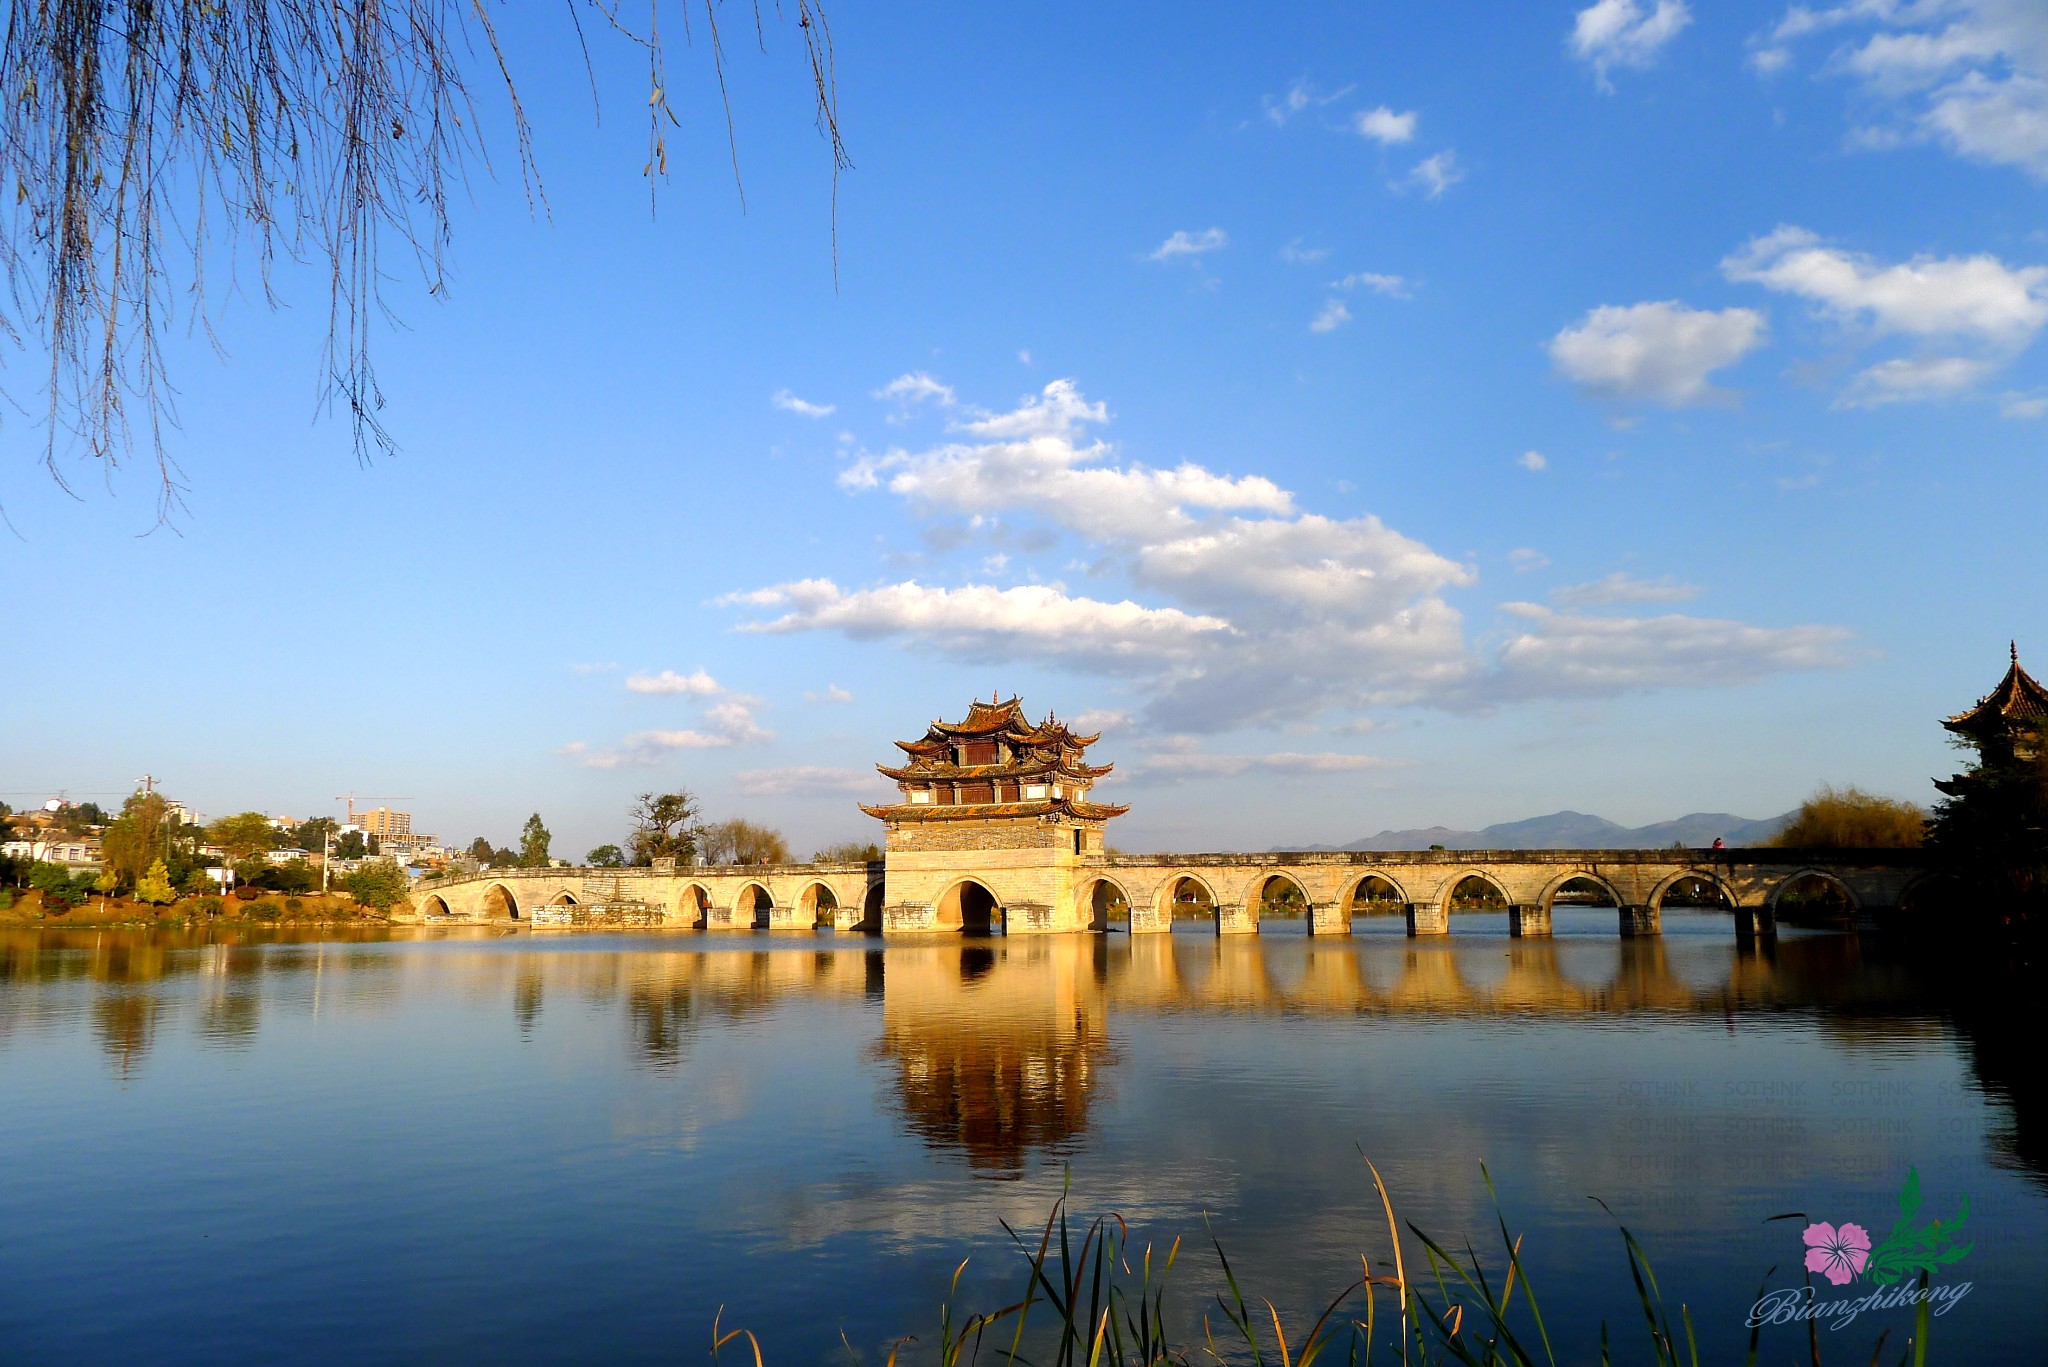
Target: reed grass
(1101,1303)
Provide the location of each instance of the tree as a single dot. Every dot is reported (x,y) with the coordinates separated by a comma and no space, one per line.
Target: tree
(533,844)
(135,131)
(664,827)
(139,836)
(848,852)
(1989,834)
(379,884)
(243,836)
(606,857)
(502,858)
(480,850)
(312,834)
(1851,819)
(351,845)
(79,818)
(154,887)
(742,842)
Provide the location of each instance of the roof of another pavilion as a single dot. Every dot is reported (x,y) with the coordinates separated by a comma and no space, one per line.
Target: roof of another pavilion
(2018,698)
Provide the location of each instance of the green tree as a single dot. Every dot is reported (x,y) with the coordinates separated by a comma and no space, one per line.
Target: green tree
(60,890)
(502,858)
(1989,834)
(154,887)
(379,884)
(1851,819)
(480,850)
(351,845)
(80,818)
(605,857)
(739,841)
(664,827)
(138,837)
(311,835)
(242,837)
(848,852)
(533,844)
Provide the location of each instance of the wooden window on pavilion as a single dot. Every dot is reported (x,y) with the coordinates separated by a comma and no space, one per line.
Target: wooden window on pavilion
(977,792)
(978,752)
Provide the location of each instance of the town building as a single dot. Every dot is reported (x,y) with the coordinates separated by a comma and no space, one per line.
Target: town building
(385,824)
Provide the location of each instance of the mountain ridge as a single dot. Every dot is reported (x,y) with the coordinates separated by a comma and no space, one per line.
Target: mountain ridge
(1569,830)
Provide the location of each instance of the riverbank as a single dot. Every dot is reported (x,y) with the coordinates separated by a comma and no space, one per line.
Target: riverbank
(27,908)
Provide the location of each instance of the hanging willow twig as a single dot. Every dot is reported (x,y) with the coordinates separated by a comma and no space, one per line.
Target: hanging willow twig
(145,143)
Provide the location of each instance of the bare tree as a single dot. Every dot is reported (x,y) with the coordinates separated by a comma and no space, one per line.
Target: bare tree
(149,139)
(739,841)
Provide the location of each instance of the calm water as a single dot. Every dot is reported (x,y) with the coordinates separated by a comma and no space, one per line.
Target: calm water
(442,1146)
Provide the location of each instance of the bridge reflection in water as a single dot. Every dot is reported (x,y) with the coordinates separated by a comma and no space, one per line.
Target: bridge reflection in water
(992,1049)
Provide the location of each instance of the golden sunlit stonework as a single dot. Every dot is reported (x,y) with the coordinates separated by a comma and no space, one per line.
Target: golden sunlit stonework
(995,832)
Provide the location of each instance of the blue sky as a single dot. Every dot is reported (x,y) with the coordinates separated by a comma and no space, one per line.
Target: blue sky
(1370,416)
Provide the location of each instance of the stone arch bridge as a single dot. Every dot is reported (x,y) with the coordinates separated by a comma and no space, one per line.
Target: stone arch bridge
(1232,893)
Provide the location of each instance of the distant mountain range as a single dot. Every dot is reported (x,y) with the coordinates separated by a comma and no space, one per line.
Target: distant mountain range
(1578,831)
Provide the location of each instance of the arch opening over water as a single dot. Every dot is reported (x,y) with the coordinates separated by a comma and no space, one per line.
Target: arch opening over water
(693,906)
(1375,895)
(1278,897)
(1813,895)
(1187,898)
(1105,906)
(1474,893)
(500,904)
(753,907)
(820,907)
(969,908)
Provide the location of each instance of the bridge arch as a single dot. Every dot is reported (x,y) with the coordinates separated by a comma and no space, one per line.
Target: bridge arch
(871,907)
(1811,874)
(564,898)
(970,907)
(1489,891)
(693,906)
(1548,899)
(818,905)
(500,904)
(1275,893)
(1186,890)
(1362,897)
(435,905)
(754,905)
(1679,880)
(1100,901)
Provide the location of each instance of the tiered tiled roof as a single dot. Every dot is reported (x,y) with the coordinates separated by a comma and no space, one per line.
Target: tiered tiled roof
(2018,698)
(984,765)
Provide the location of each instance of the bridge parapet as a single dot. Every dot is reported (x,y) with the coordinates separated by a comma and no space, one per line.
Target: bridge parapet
(1327,887)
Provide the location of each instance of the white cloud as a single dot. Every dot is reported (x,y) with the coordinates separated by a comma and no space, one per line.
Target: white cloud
(1334,314)
(1567,653)
(1533,461)
(1524,560)
(790,403)
(1300,96)
(727,725)
(1901,381)
(1099,719)
(916,387)
(806,780)
(2016,405)
(1177,764)
(1971,75)
(1294,254)
(1184,243)
(1977,297)
(1393,286)
(1622,33)
(1234,606)
(1620,588)
(832,693)
(698,683)
(980,622)
(1384,126)
(1437,174)
(1662,351)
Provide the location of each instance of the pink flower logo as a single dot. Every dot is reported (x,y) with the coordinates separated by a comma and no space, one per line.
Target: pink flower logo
(1837,1254)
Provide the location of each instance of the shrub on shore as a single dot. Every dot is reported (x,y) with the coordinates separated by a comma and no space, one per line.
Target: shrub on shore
(1851,819)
